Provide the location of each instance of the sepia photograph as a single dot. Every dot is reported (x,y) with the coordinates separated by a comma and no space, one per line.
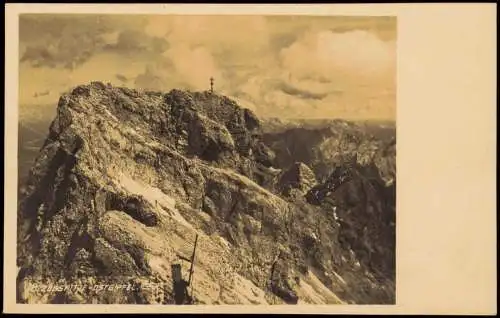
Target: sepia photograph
(243,158)
(206,159)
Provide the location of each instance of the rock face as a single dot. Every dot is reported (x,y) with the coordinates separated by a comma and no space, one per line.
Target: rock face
(299,176)
(323,145)
(367,223)
(126,179)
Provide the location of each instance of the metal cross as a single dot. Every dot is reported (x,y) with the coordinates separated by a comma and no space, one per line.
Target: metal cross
(211,84)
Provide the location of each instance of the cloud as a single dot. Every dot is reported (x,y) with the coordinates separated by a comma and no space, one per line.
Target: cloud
(195,66)
(325,74)
(151,79)
(301,93)
(68,41)
(121,78)
(40,56)
(291,66)
(32,81)
(104,67)
(230,39)
(384,27)
(40,94)
(67,53)
(158,26)
(355,54)
(183,67)
(343,74)
(131,41)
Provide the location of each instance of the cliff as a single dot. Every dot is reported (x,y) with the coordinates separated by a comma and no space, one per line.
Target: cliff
(126,179)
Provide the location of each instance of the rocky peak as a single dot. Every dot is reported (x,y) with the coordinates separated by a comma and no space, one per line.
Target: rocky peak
(126,179)
(299,176)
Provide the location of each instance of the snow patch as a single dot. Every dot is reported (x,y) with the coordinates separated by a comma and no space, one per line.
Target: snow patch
(312,290)
(339,278)
(250,183)
(155,197)
(159,265)
(248,292)
(323,290)
(310,294)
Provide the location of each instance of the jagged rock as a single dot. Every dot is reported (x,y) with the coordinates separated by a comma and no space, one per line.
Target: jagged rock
(221,120)
(323,144)
(209,206)
(365,220)
(208,139)
(299,176)
(119,186)
(282,279)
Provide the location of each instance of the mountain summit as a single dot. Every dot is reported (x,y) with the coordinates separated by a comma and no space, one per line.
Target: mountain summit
(127,179)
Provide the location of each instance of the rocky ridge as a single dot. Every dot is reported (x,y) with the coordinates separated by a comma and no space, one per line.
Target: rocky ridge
(325,144)
(126,179)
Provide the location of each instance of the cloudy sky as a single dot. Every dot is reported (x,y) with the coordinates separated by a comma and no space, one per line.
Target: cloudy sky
(284,66)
